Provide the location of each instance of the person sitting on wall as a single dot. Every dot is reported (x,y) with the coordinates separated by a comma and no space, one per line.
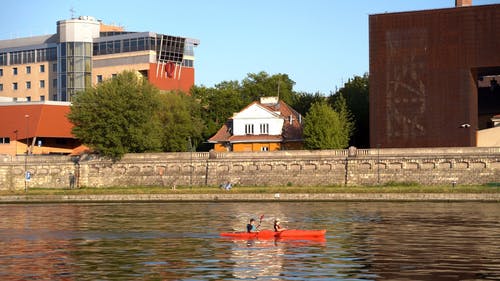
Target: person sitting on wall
(226,186)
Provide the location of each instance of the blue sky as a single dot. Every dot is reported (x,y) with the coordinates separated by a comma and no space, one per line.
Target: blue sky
(318,43)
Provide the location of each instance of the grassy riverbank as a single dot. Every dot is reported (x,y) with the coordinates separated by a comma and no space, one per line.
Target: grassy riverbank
(492,188)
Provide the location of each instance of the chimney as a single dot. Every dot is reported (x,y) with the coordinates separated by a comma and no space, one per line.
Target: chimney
(463,3)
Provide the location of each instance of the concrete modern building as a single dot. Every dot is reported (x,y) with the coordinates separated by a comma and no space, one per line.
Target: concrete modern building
(433,76)
(265,125)
(83,52)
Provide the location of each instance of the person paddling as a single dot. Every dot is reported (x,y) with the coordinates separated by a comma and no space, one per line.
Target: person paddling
(251,226)
(277,226)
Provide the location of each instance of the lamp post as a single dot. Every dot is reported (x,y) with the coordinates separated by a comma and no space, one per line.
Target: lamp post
(26,174)
(190,145)
(378,164)
(16,140)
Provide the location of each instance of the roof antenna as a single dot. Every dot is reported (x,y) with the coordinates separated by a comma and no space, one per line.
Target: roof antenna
(279,82)
(72,13)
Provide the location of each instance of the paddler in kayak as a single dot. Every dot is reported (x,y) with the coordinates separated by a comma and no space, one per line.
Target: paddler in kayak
(277,226)
(251,226)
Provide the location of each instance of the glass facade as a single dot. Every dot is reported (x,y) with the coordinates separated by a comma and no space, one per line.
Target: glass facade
(168,48)
(28,56)
(75,63)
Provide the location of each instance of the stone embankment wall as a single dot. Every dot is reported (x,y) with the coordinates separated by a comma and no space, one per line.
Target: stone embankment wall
(426,166)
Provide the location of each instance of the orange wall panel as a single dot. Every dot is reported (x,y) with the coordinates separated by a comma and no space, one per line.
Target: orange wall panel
(163,82)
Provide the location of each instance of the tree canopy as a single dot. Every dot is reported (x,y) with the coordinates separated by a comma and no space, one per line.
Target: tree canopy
(127,114)
(325,128)
(355,93)
(118,116)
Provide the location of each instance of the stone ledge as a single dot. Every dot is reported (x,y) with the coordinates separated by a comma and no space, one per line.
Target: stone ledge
(238,197)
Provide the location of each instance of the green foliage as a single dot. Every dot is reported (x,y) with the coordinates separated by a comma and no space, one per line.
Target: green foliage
(324,128)
(302,101)
(118,116)
(355,92)
(180,121)
(257,85)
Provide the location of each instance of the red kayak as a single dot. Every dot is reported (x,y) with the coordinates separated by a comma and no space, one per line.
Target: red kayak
(285,234)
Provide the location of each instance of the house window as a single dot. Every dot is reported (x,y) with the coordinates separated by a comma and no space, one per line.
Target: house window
(42,98)
(1,87)
(28,69)
(5,140)
(99,78)
(264,148)
(42,83)
(28,84)
(14,71)
(249,129)
(54,83)
(14,86)
(1,71)
(28,98)
(264,129)
(54,67)
(42,68)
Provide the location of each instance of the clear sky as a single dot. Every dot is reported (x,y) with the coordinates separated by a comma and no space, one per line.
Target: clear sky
(318,43)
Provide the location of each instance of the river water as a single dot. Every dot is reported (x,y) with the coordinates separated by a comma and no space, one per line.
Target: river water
(180,241)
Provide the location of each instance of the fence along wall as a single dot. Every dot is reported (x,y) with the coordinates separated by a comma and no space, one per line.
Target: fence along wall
(427,166)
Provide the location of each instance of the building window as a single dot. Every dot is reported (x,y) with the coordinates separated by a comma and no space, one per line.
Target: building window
(264,148)
(42,84)
(264,129)
(99,78)
(5,140)
(54,67)
(28,84)
(14,86)
(42,98)
(1,71)
(14,70)
(28,69)
(42,68)
(1,87)
(54,83)
(249,129)
(28,98)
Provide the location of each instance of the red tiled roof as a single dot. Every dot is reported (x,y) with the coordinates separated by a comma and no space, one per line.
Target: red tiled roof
(45,120)
(223,134)
(291,132)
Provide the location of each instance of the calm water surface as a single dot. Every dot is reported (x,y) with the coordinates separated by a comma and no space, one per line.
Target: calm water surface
(180,241)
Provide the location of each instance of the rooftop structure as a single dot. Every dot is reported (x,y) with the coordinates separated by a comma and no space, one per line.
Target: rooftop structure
(83,52)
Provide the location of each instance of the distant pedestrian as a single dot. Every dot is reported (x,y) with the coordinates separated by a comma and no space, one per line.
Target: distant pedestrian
(71,180)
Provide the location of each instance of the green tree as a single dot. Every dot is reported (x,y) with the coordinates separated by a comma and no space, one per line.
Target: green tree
(118,116)
(257,85)
(217,104)
(180,121)
(302,101)
(324,128)
(355,92)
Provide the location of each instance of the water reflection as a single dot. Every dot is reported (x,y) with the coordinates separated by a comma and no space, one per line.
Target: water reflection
(180,241)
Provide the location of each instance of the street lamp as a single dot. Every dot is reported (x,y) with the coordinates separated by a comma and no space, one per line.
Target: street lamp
(16,139)
(26,173)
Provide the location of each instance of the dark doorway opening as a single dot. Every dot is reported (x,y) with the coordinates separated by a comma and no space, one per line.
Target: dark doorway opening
(488,96)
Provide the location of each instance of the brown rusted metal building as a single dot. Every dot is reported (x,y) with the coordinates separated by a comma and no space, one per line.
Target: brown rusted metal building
(425,67)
